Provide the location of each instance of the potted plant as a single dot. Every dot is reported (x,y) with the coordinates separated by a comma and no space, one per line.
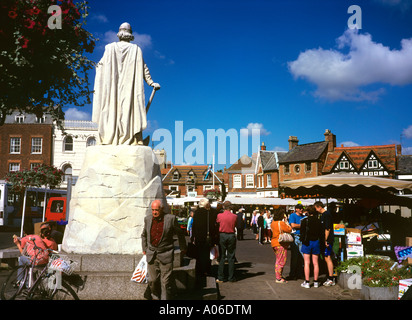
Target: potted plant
(349,273)
(380,279)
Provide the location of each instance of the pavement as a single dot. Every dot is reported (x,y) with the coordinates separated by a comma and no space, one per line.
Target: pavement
(255,276)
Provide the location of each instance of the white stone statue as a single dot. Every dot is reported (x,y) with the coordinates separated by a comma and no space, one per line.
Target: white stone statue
(119,101)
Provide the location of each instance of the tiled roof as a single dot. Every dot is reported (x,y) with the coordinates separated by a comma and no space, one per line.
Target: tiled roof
(358,156)
(269,159)
(405,164)
(244,163)
(305,152)
(198,171)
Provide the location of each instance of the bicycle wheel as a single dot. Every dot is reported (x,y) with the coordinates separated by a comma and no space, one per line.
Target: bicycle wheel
(14,286)
(66,292)
(42,288)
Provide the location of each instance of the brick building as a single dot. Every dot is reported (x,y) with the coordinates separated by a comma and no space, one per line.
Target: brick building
(318,158)
(241,176)
(190,180)
(267,172)
(25,142)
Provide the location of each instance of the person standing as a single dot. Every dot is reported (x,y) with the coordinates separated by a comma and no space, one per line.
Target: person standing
(261,227)
(240,224)
(280,225)
(327,226)
(253,224)
(227,224)
(296,257)
(204,233)
(190,223)
(158,246)
(268,221)
(311,235)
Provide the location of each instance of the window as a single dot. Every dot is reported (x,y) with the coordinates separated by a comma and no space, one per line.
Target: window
(372,164)
(68,144)
(15,145)
(344,165)
(175,176)
(91,141)
(250,183)
(36,145)
(297,168)
(19,119)
(308,166)
(286,170)
(34,165)
(67,169)
(41,120)
(237,181)
(269,180)
(14,166)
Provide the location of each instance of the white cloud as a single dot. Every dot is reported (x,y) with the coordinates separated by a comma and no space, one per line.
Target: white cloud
(253,129)
(75,114)
(407,133)
(407,150)
(349,144)
(343,76)
(100,18)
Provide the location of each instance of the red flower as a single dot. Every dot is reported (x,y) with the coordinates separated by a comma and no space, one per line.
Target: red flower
(30,24)
(13,14)
(25,42)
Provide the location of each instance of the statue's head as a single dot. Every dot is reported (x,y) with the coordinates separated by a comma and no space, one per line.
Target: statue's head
(125,32)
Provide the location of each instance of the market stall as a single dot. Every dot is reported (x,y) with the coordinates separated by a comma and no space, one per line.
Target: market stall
(360,197)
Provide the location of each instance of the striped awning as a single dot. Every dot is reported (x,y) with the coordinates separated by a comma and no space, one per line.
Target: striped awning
(350,180)
(343,185)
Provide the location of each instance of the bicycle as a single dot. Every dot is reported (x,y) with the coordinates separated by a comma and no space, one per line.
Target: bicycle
(44,282)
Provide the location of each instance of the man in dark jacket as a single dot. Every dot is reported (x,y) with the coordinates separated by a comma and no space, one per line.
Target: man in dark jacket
(158,246)
(240,224)
(204,236)
(261,226)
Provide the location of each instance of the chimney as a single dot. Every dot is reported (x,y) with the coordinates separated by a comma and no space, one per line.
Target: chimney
(263,147)
(293,142)
(330,138)
(169,165)
(399,149)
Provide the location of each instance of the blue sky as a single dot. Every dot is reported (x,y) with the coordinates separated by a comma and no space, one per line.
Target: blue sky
(288,67)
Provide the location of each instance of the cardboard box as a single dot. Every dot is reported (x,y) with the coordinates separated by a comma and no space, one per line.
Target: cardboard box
(354,251)
(354,238)
(403,286)
(37,228)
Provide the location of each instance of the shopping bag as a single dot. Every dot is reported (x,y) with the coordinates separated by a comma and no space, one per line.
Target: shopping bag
(214,253)
(140,273)
(191,250)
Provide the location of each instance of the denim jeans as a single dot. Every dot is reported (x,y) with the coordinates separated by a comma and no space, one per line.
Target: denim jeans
(228,246)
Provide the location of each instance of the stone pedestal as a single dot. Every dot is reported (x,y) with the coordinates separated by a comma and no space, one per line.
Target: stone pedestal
(112,196)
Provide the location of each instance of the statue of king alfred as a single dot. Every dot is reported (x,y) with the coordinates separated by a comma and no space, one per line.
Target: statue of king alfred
(119,100)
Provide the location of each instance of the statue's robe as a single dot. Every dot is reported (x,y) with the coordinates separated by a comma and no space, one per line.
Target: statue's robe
(119,100)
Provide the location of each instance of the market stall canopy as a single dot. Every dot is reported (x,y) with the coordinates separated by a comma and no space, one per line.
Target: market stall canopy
(345,185)
(271,201)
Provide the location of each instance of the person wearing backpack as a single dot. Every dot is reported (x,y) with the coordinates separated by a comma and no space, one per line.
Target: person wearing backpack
(311,233)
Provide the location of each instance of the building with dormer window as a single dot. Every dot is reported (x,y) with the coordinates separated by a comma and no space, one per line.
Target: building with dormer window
(187,180)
